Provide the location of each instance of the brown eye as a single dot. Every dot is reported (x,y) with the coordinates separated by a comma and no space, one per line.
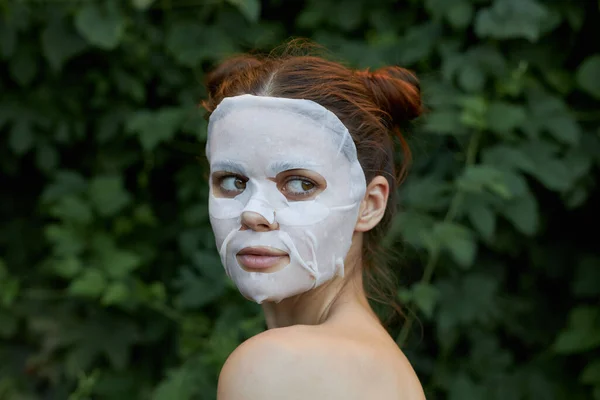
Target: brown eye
(299,187)
(232,185)
(306,186)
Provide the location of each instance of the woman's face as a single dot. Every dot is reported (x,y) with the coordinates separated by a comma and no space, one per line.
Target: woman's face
(284,196)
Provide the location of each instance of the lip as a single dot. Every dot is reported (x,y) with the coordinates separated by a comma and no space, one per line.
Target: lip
(262,251)
(261,258)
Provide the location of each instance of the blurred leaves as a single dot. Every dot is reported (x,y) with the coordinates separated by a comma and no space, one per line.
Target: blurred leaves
(582,333)
(249,8)
(101,24)
(588,75)
(506,19)
(60,43)
(110,285)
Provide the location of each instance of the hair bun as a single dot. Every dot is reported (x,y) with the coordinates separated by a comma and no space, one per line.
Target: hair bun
(396,91)
(227,70)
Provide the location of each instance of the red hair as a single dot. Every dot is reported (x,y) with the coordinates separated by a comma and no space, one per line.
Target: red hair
(374,106)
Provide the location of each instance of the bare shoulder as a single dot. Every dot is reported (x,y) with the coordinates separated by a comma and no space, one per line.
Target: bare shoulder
(301,362)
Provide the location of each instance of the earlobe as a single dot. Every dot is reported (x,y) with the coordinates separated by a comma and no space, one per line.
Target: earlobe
(373,205)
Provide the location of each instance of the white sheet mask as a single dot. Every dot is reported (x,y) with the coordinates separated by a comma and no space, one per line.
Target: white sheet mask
(257,138)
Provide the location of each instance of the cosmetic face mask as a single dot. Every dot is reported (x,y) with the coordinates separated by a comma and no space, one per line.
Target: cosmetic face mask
(291,165)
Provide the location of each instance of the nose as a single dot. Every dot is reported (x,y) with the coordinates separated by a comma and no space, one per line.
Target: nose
(256,222)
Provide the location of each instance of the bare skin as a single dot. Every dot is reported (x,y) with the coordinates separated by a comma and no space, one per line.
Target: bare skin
(326,343)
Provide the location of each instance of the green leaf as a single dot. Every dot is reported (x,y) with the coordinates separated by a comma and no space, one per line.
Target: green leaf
(155,127)
(474,111)
(8,325)
(21,137)
(466,301)
(102,334)
(550,113)
(509,19)
(72,209)
(116,293)
(479,177)
(66,240)
(505,156)
(445,122)
(185,41)
(129,84)
(523,213)
(101,24)
(575,197)
(425,297)
(471,78)
(428,194)
(481,216)
(505,117)
(208,263)
(108,195)
(547,167)
(349,14)
(65,182)
(591,373)
(59,43)
(46,157)
(3,269)
(197,291)
(120,263)
(180,383)
(457,239)
(564,128)
(191,43)
(463,387)
(249,8)
(91,283)
(439,8)
(582,333)
(8,40)
(411,225)
(587,276)
(9,290)
(143,214)
(460,15)
(23,65)
(67,267)
(588,75)
(560,79)
(142,5)
(516,183)
(419,42)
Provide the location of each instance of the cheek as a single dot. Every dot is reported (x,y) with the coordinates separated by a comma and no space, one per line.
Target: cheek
(222,227)
(302,213)
(222,208)
(332,234)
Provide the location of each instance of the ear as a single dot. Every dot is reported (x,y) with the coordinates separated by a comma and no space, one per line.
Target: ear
(373,204)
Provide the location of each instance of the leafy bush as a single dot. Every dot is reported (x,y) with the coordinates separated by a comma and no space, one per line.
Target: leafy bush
(110,286)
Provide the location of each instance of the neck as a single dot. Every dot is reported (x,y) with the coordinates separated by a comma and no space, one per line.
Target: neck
(317,305)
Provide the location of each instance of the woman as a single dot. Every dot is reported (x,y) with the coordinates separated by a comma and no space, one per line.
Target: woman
(301,174)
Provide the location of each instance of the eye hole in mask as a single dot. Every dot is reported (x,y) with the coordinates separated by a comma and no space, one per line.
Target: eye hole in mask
(300,184)
(295,185)
(228,185)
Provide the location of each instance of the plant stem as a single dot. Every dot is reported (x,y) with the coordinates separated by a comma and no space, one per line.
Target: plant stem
(451,214)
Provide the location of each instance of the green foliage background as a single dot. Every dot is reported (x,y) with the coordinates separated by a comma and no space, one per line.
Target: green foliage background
(110,286)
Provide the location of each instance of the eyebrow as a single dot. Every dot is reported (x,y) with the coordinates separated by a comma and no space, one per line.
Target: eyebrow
(229,166)
(280,166)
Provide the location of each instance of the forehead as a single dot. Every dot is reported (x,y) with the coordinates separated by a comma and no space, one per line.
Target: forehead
(263,134)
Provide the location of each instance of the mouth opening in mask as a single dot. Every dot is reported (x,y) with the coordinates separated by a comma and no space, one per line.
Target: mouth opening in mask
(262,259)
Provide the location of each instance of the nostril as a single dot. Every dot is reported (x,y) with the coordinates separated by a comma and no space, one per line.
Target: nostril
(256,222)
